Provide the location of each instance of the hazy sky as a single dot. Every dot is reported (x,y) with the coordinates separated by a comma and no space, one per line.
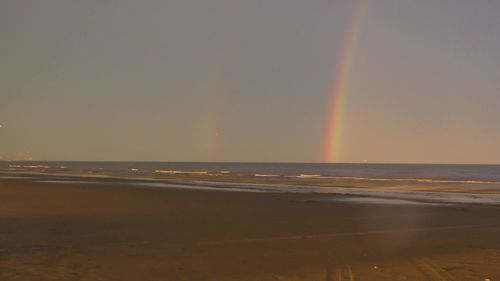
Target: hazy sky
(235,80)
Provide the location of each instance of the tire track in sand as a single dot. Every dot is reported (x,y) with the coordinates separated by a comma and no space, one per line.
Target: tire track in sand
(342,234)
(431,271)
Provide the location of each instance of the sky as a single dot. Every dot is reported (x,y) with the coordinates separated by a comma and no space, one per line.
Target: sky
(234,80)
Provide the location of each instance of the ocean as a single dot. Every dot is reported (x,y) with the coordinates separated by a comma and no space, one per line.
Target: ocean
(403,181)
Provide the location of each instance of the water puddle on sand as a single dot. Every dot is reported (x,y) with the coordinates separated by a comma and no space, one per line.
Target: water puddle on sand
(68,182)
(385,201)
(15,178)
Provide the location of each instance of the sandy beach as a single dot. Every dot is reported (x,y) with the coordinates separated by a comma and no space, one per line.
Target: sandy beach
(110,231)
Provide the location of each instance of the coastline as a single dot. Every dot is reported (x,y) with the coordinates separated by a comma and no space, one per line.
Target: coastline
(116,231)
(402,193)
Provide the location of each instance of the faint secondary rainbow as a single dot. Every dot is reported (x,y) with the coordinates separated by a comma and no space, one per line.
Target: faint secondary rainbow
(340,87)
(212,125)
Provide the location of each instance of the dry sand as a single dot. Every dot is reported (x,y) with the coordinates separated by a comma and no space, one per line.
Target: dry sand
(111,231)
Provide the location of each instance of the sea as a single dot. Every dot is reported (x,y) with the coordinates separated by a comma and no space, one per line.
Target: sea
(414,182)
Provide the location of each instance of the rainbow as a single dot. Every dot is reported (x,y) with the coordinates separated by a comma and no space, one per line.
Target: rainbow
(340,87)
(211,142)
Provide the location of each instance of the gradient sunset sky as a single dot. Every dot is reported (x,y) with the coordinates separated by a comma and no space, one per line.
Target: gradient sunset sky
(235,80)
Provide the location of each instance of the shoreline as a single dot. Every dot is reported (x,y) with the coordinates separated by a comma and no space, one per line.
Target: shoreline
(396,194)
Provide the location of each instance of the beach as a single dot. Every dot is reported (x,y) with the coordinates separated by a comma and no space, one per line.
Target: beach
(105,230)
(232,140)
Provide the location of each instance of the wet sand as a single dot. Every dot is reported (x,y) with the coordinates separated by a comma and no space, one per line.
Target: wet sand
(112,231)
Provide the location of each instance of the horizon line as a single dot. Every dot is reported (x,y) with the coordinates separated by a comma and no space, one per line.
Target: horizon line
(255,162)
